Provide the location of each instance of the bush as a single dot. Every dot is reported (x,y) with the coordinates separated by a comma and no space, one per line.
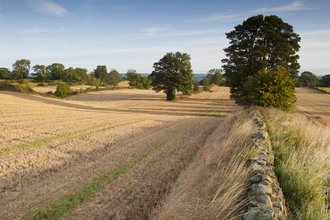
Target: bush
(88,90)
(271,89)
(63,90)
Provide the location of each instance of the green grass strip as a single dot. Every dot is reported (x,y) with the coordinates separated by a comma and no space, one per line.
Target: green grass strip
(69,202)
(45,140)
(214,114)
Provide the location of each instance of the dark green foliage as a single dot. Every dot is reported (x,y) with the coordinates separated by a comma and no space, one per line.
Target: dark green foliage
(113,78)
(4,73)
(40,73)
(325,81)
(56,71)
(21,69)
(196,87)
(129,74)
(259,43)
(204,82)
(101,72)
(63,90)
(308,79)
(172,72)
(214,76)
(271,89)
(140,82)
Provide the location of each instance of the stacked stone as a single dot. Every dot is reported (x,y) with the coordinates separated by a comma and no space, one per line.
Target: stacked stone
(266,201)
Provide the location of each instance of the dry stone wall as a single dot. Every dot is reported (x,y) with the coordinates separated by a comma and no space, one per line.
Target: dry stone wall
(266,200)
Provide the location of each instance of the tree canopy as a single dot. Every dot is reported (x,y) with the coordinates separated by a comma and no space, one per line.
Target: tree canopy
(308,79)
(214,76)
(21,69)
(56,71)
(259,43)
(137,80)
(113,78)
(273,88)
(101,72)
(172,72)
(4,73)
(325,81)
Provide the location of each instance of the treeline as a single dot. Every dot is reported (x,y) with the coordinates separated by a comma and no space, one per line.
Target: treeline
(57,71)
(310,80)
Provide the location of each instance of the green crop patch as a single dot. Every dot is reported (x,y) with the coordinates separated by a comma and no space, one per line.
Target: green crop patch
(69,202)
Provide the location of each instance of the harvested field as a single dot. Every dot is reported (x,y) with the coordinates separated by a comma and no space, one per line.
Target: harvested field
(314,104)
(93,153)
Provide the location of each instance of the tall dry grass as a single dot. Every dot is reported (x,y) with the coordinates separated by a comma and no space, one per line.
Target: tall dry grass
(214,185)
(302,163)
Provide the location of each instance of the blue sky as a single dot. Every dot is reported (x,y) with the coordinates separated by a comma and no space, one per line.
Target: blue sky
(134,34)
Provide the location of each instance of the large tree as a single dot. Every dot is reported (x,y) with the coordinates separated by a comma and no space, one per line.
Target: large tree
(21,69)
(325,81)
(172,72)
(101,72)
(56,71)
(39,72)
(309,79)
(214,76)
(259,43)
(113,78)
(4,73)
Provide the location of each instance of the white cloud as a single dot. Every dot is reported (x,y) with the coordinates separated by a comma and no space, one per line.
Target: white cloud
(47,7)
(151,31)
(317,32)
(219,17)
(33,31)
(295,6)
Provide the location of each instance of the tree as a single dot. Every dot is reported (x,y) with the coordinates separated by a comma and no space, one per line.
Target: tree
(21,69)
(172,72)
(204,82)
(130,73)
(214,76)
(101,72)
(259,43)
(4,73)
(271,88)
(325,81)
(56,71)
(308,79)
(82,73)
(113,78)
(140,82)
(196,87)
(70,75)
(39,73)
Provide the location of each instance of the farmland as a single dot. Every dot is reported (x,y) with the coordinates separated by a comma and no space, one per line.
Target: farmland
(117,144)
(314,104)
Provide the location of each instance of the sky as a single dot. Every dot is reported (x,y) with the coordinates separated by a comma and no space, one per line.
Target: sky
(131,34)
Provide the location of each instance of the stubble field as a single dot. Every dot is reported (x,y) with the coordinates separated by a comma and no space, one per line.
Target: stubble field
(109,154)
(314,104)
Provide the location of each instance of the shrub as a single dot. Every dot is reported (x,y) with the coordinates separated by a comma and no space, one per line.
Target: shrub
(271,89)
(88,90)
(63,90)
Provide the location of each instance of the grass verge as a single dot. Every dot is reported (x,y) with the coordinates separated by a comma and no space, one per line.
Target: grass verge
(302,163)
(45,140)
(69,202)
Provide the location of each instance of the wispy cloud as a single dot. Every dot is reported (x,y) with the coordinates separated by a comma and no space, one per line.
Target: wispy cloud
(119,7)
(33,31)
(215,17)
(298,5)
(47,7)
(317,32)
(152,31)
